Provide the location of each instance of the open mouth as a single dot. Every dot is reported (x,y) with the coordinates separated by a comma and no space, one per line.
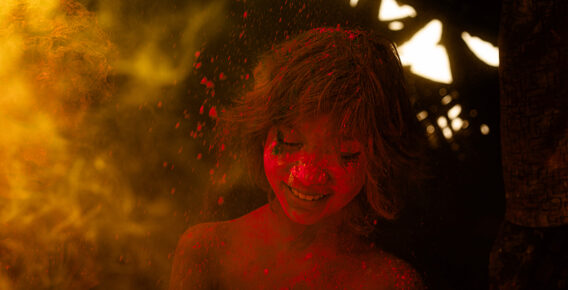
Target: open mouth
(307,197)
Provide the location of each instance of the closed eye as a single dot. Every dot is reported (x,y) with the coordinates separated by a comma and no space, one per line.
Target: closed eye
(350,156)
(280,139)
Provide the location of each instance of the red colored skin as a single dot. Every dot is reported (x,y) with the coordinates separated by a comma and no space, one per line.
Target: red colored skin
(293,243)
(318,163)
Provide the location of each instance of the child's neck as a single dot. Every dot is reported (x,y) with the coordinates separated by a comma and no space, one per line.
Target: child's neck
(328,233)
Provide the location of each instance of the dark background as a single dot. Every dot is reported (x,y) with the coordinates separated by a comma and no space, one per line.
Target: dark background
(449,236)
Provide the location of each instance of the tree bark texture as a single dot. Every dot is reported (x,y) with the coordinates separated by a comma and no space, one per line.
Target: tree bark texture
(534,117)
(531,250)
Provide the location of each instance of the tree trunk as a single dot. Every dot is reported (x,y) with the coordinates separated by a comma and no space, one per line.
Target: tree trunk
(531,251)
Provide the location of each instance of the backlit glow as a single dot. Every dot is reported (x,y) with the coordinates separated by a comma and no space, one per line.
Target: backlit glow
(396,26)
(457,124)
(422,115)
(390,10)
(442,122)
(454,111)
(353,3)
(425,56)
(484,50)
(447,132)
(484,129)
(446,100)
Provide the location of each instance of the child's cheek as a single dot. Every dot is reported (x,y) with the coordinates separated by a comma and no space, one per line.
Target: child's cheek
(276,159)
(349,173)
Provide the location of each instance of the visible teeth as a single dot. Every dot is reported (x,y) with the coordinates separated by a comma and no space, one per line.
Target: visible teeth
(307,197)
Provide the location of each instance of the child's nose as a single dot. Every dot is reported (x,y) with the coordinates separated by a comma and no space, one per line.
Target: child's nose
(310,173)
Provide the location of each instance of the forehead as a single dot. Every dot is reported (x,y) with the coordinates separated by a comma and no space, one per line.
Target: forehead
(322,126)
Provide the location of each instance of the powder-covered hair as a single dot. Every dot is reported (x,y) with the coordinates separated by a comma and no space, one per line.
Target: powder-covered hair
(356,77)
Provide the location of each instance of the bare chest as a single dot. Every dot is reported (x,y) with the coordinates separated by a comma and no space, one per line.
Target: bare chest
(273,269)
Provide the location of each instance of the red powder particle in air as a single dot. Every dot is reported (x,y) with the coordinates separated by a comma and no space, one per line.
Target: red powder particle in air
(165,164)
(222,76)
(265,271)
(211,172)
(197,53)
(177,125)
(213,112)
(199,126)
(209,84)
(203,80)
(201,110)
(198,65)
(173,191)
(247,77)
(159,104)
(222,147)
(199,156)
(245,15)
(220,201)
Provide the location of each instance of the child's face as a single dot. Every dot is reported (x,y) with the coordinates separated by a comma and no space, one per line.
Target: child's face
(313,170)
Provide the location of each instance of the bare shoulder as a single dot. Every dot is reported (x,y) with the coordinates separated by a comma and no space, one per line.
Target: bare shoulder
(195,255)
(394,273)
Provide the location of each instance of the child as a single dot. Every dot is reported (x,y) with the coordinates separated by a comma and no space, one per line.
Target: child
(329,133)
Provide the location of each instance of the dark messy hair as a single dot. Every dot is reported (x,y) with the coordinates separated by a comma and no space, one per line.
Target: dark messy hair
(356,77)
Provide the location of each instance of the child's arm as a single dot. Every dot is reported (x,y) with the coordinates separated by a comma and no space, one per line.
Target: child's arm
(193,258)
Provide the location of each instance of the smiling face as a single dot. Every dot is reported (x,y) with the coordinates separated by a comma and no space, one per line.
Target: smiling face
(313,171)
